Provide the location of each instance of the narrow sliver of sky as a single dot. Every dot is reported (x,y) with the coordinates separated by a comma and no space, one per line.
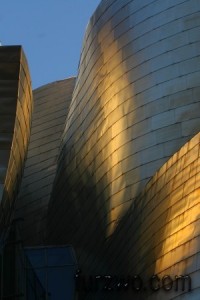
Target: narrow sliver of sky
(51,33)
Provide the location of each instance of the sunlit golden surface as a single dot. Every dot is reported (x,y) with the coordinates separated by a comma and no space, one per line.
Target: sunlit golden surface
(118,178)
(168,221)
(15,121)
(135,103)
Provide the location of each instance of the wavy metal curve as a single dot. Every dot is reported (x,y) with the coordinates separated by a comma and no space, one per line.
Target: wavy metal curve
(136,102)
(15,121)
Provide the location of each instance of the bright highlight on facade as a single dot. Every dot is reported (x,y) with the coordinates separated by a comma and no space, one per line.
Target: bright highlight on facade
(113,161)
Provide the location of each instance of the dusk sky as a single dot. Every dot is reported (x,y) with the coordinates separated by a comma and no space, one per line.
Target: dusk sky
(51,33)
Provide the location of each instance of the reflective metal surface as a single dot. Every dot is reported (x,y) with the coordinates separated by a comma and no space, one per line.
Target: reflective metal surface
(51,104)
(135,103)
(120,180)
(15,122)
(160,234)
(55,269)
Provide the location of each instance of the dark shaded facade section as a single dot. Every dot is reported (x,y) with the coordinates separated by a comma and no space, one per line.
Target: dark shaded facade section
(51,105)
(136,103)
(15,122)
(113,164)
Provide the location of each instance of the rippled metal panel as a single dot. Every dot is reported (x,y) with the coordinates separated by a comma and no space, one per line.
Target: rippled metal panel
(136,102)
(161,234)
(15,122)
(51,104)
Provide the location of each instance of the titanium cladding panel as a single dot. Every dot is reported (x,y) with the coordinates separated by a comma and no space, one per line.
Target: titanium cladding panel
(136,102)
(51,104)
(160,234)
(15,122)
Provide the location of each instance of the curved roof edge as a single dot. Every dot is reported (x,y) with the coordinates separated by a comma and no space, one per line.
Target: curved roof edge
(54,82)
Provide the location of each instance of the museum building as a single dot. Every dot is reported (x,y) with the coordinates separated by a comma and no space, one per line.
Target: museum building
(100,174)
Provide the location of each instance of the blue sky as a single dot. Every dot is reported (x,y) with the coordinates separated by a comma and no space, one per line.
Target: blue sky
(51,33)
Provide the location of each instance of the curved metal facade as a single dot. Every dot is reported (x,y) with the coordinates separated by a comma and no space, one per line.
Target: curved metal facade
(135,103)
(51,104)
(160,234)
(15,122)
(115,171)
